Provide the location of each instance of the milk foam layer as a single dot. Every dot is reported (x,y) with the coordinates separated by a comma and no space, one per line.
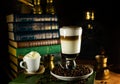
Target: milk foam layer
(70,31)
(32,54)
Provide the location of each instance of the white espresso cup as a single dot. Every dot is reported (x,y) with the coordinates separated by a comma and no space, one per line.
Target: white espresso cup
(31,62)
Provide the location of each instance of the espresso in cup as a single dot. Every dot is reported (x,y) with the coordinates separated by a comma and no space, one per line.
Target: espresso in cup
(31,62)
(70,37)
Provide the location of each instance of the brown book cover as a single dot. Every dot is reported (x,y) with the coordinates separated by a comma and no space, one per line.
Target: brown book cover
(15,68)
(31,43)
(14,65)
(12,75)
(15,59)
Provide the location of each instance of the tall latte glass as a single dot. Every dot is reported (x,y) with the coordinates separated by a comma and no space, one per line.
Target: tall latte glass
(70,37)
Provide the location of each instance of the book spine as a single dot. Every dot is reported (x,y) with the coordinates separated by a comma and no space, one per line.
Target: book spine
(14,67)
(34,43)
(14,63)
(27,36)
(10,18)
(12,74)
(15,70)
(15,59)
(43,50)
(30,18)
(32,26)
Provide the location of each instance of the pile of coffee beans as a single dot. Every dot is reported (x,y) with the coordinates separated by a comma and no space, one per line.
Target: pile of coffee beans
(79,71)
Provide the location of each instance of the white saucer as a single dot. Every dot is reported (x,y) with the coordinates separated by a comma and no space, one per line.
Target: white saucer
(40,71)
(66,78)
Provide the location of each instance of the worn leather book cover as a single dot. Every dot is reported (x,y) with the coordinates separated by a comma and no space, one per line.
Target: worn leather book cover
(32,43)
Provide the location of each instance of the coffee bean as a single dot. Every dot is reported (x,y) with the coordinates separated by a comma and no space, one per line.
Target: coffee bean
(79,71)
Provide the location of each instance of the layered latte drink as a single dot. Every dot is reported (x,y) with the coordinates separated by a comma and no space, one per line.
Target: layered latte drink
(70,37)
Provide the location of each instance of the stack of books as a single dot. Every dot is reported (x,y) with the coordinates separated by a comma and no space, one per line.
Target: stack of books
(31,32)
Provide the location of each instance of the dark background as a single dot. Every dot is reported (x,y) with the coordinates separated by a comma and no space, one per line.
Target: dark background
(69,13)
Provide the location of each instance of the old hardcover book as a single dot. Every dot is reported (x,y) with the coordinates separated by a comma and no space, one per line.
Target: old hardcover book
(14,67)
(12,74)
(32,43)
(30,17)
(14,63)
(43,50)
(15,59)
(15,70)
(38,35)
(32,26)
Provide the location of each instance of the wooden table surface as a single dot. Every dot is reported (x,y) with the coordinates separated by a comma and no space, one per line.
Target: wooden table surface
(114,79)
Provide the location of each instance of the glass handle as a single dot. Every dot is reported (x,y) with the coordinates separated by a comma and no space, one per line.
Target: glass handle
(70,64)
